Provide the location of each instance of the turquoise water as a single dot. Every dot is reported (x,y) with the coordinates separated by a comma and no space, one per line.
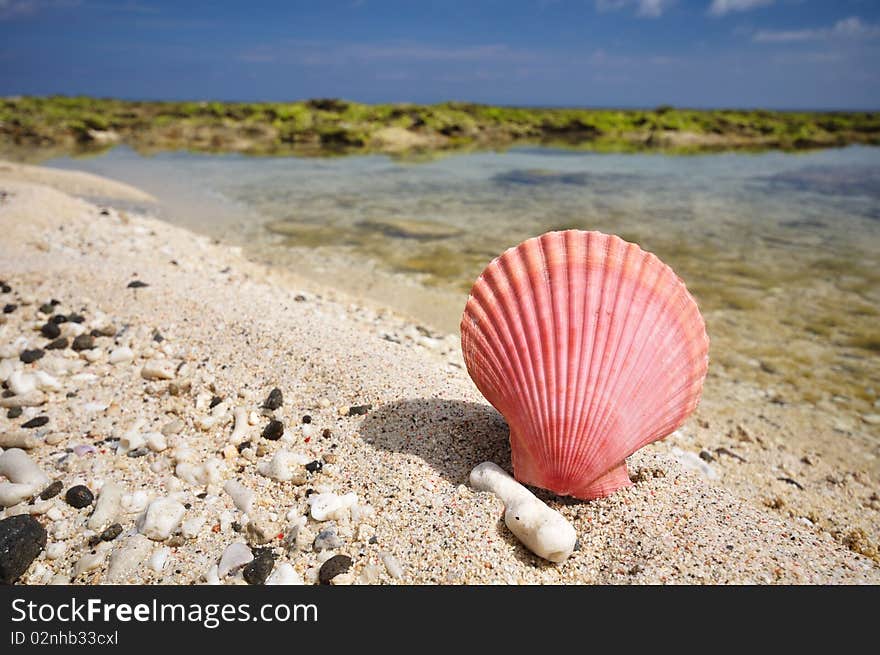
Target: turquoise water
(781,250)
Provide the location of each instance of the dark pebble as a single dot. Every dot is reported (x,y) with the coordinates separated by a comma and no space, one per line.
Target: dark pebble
(22,538)
(326,433)
(84,342)
(216,400)
(137,284)
(52,490)
(273,431)
(58,319)
(6,288)
(333,567)
(79,496)
(14,412)
(48,308)
(138,452)
(374,539)
(58,344)
(50,330)
(244,444)
(275,399)
(259,569)
(299,298)
(157,336)
(8,309)
(314,467)
(104,331)
(29,356)
(111,532)
(54,302)
(36,422)
(359,410)
(76,318)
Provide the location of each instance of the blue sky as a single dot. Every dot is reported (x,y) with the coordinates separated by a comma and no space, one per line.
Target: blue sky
(699,53)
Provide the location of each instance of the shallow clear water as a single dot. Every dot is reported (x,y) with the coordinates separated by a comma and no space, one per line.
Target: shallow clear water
(781,250)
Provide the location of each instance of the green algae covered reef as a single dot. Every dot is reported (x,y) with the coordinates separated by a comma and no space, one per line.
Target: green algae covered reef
(33,125)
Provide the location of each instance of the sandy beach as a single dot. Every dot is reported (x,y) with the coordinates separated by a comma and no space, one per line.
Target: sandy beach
(159,396)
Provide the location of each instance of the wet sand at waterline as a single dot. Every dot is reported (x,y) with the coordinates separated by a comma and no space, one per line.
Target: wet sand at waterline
(761,485)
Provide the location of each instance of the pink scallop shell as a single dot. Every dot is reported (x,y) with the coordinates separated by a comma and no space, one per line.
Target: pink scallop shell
(591,348)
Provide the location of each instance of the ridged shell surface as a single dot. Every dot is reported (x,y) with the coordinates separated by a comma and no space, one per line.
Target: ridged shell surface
(590,348)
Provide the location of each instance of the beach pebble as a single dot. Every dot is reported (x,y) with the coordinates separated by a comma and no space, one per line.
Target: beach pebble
(46,382)
(156,441)
(133,503)
(326,540)
(235,556)
(242,497)
(55,550)
(22,538)
(52,490)
(692,462)
(30,356)
(18,439)
(261,531)
(239,430)
(159,558)
(25,477)
(58,344)
(91,560)
(256,571)
(175,426)
(107,507)
(36,422)
(328,506)
(274,430)
(274,400)
(191,527)
(79,496)
(50,330)
(541,529)
(30,399)
(161,518)
(336,565)
(284,574)
(111,532)
(285,466)
(82,342)
(127,557)
(359,410)
(395,570)
(21,383)
(158,370)
(120,355)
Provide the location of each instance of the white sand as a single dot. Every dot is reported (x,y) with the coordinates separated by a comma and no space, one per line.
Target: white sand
(234,330)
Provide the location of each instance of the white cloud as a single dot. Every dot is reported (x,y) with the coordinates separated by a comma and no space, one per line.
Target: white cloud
(787,36)
(847,28)
(14,8)
(724,7)
(644,8)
